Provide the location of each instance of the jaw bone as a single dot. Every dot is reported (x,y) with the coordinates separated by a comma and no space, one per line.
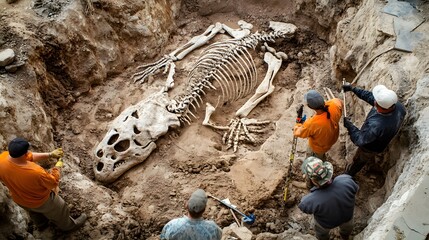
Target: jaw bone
(132,136)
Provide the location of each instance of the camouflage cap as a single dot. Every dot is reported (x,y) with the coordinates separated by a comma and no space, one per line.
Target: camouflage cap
(317,170)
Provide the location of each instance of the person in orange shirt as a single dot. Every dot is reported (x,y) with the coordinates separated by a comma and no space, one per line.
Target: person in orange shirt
(322,130)
(33,188)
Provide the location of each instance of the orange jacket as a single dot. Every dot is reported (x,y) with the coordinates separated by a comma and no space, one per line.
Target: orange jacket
(30,184)
(322,132)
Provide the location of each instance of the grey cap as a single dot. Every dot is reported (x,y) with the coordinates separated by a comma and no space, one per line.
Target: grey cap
(197,202)
(314,100)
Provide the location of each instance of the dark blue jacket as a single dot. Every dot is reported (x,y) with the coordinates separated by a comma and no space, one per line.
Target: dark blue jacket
(379,128)
(332,205)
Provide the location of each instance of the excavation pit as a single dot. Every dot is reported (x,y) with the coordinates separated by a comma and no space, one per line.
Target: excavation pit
(80,60)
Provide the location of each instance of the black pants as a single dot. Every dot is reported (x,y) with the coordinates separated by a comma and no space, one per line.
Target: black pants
(359,161)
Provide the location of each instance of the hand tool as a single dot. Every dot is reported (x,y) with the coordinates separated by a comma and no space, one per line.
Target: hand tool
(250,219)
(292,154)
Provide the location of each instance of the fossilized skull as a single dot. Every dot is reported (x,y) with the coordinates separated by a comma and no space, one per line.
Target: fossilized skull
(132,136)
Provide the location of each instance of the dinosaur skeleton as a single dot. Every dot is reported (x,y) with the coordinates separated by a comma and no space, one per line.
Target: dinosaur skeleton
(240,128)
(226,65)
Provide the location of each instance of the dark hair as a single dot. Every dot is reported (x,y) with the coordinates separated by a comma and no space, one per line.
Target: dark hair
(18,147)
(325,108)
(196,214)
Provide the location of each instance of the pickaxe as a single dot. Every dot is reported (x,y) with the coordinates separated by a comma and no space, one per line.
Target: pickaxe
(246,219)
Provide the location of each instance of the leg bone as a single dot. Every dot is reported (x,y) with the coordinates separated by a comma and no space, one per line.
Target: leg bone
(265,88)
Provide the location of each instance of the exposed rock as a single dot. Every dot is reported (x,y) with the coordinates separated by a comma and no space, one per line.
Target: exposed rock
(12,68)
(7,56)
(236,232)
(289,234)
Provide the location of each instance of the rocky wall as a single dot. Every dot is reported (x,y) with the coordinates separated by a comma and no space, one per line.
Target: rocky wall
(365,45)
(67,47)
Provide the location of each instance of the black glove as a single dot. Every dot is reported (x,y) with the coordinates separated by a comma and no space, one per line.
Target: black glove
(347,122)
(301,120)
(347,87)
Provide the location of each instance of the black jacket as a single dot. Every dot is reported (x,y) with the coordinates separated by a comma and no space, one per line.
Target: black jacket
(333,205)
(378,129)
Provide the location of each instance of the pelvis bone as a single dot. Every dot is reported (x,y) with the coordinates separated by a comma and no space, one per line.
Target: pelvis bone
(130,140)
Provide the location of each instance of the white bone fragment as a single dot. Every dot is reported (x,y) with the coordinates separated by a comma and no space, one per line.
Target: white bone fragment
(179,53)
(169,83)
(287,28)
(197,41)
(240,33)
(209,111)
(265,88)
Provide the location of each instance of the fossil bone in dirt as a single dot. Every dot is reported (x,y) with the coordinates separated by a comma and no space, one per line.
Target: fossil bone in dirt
(226,67)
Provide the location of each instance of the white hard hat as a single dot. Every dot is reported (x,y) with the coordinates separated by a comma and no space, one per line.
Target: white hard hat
(384,97)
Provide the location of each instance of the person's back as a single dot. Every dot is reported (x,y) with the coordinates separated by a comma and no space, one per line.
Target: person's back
(191,229)
(29,184)
(322,129)
(334,204)
(35,189)
(322,132)
(193,226)
(331,202)
(382,127)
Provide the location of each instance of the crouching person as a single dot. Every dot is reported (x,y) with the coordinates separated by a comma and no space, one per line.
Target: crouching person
(33,188)
(331,201)
(192,226)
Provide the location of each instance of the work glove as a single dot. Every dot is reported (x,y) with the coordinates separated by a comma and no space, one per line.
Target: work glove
(57,153)
(59,163)
(347,122)
(347,87)
(301,120)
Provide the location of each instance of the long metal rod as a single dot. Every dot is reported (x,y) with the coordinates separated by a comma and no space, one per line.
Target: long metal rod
(344,99)
(345,115)
(289,175)
(235,218)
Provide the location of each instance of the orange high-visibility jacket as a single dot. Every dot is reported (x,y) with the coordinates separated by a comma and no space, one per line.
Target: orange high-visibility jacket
(30,184)
(322,132)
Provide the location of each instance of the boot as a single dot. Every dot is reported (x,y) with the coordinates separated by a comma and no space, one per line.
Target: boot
(42,226)
(80,221)
(344,237)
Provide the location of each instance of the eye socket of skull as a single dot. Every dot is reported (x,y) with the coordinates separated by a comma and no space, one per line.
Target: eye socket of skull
(100,153)
(122,145)
(100,166)
(113,139)
(135,114)
(136,130)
